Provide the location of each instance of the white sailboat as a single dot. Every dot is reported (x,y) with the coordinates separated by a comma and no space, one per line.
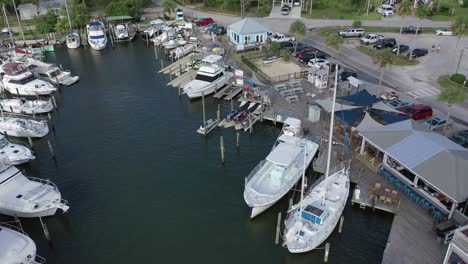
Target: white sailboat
(23,106)
(210,77)
(275,176)
(313,219)
(23,127)
(16,247)
(14,154)
(97,38)
(73,40)
(28,197)
(20,81)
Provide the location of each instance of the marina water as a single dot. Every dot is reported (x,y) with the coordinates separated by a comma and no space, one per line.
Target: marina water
(145,188)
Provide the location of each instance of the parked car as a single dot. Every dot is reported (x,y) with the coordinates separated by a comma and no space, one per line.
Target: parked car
(345,74)
(352,32)
(204,22)
(319,62)
(287,45)
(278,37)
(444,32)
(287,6)
(411,30)
(399,102)
(304,51)
(385,10)
(385,43)
(461,138)
(371,38)
(401,47)
(417,111)
(220,30)
(209,27)
(417,53)
(7,33)
(296,2)
(312,55)
(284,11)
(436,122)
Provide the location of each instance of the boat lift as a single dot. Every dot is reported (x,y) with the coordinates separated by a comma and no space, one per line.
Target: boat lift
(123,23)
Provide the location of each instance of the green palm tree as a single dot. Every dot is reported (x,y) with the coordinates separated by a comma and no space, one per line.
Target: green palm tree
(298,30)
(334,41)
(404,9)
(451,95)
(382,59)
(169,6)
(459,28)
(422,12)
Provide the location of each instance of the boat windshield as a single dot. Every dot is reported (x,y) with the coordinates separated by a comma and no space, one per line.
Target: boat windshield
(23,81)
(3,142)
(97,37)
(55,73)
(206,78)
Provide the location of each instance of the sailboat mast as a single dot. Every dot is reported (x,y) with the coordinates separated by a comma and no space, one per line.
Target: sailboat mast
(8,25)
(68,15)
(332,119)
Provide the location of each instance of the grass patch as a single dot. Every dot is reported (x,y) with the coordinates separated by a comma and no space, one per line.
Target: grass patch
(400,60)
(237,57)
(445,82)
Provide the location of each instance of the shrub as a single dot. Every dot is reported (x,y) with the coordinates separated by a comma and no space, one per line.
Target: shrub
(458,78)
(357,24)
(274,47)
(285,54)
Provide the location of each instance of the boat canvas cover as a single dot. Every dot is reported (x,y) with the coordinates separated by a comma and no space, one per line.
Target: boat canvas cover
(288,139)
(212,58)
(313,214)
(284,154)
(12,244)
(293,122)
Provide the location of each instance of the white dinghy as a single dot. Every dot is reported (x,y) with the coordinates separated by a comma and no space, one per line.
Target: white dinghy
(14,154)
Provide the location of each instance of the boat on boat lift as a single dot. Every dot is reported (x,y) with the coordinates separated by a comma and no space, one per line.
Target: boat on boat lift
(23,106)
(28,197)
(16,247)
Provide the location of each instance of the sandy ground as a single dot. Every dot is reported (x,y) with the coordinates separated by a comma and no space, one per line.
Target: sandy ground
(278,68)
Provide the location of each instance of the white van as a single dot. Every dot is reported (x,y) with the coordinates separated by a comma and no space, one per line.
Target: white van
(352,32)
(385,10)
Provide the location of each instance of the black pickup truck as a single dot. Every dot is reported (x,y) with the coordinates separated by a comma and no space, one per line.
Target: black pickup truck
(411,30)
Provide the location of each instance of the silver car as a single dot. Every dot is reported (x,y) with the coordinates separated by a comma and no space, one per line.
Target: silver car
(436,122)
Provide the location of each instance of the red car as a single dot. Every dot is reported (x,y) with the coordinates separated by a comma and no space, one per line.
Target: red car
(241,117)
(204,22)
(301,53)
(417,112)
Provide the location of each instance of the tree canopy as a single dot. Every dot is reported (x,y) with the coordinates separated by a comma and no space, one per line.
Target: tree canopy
(169,6)
(123,7)
(47,25)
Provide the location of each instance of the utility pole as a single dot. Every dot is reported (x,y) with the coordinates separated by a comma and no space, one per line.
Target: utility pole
(459,60)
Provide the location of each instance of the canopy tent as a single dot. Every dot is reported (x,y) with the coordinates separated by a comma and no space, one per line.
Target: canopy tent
(354,81)
(384,107)
(432,157)
(327,105)
(367,122)
(349,116)
(362,98)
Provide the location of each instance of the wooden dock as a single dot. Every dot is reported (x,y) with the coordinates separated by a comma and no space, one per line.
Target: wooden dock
(202,131)
(233,93)
(230,91)
(183,79)
(176,67)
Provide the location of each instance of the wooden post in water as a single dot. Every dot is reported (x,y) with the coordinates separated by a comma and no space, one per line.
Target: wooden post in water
(46,230)
(54,102)
(51,149)
(218,113)
(204,117)
(232,105)
(237,139)
(290,203)
(250,123)
(162,64)
(221,141)
(327,251)
(17,92)
(30,142)
(11,108)
(340,228)
(278,229)
(261,108)
(50,117)
(170,73)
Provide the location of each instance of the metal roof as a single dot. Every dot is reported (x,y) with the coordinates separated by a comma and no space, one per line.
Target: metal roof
(433,157)
(247,26)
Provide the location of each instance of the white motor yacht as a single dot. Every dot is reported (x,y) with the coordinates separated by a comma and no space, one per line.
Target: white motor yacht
(23,127)
(51,72)
(23,106)
(16,247)
(210,77)
(97,38)
(28,197)
(20,81)
(275,176)
(14,154)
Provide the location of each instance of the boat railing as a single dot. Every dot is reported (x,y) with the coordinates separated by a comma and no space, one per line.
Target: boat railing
(17,229)
(47,182)
(254,171)
(28,117)
(39,260)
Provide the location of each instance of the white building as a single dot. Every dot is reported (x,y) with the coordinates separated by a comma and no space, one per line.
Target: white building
(30,11)
(457,251)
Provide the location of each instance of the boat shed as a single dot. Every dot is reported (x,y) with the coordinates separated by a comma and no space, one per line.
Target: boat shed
(434,167)
(247,34)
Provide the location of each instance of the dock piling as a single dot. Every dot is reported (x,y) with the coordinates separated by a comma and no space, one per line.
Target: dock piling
(221,143)
(218,113)
(51,149)
(30,142)
(17,92)
(327,251)
(250,124)
(45,229)
(162,64)
(237,139)
(50,117)
(204,115)
(278,228)
(340,228)
(11,109)
(54,102)
(290,203)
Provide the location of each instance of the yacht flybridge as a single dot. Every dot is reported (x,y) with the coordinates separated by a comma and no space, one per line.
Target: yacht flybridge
(275,176)
(97,38)
(18,80)
(210,77)
(16,247)
(28,197)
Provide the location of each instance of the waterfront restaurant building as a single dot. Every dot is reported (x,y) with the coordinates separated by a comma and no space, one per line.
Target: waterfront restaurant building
(247,34)
(430,164)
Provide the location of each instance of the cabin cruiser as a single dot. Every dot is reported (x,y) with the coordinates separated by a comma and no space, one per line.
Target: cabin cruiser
(23,106)
(51,72)
(155,27)
(97,38)
(20,81)
(14,154)
(16,247)
(275,176)
(28,197)
(23,127)
(210,77)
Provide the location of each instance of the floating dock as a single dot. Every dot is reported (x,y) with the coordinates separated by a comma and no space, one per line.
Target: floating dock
(203,132)
(230,91)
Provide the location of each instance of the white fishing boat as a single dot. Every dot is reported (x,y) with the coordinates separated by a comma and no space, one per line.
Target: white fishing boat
(182,51)
(28,197)
(275,176)
(16,247)
(160,39)
(23,127)
(73,40)
(23,106)
(97,38)
(121,32)
(50,72)
(14,154)
(310,222)
(209,125)
(20,81)
(209,78)
(173,43)
(155,27)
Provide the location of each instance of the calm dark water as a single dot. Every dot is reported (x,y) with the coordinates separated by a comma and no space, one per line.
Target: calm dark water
(145,188)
